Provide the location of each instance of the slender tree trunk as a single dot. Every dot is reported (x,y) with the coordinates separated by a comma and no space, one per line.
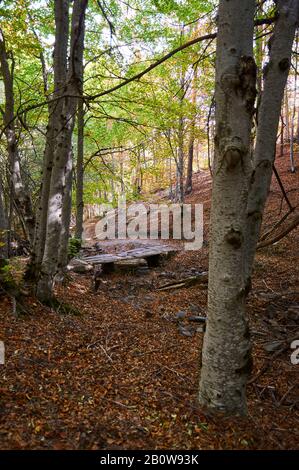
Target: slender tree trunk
(226,356)
(188,185)
(139,173)
(3,226)
(62,156)
(292,137)
(259,55)
(55,109)
(170,178)
(281,135)
(180,162)
(80,172)
(275,80)
(181,129)
(122,185)
(66,214)
(287,115)
(20,194)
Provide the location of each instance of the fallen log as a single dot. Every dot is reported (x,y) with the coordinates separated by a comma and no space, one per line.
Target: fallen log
(187,282)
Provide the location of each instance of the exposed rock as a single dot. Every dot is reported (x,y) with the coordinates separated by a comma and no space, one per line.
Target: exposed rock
(197,319)
(79,266)
(186,330)
(180,315)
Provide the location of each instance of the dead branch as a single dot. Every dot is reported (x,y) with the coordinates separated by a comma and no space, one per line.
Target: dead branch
(285,346)
(283,234)
(187,282)
(282,188)
(275,226)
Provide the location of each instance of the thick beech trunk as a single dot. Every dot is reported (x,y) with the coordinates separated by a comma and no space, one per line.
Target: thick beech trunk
(276,74)
(226,356)
(239,192)
(55,109)
(62,156)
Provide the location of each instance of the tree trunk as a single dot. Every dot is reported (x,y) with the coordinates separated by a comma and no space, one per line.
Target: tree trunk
(66,215)
(180,154)
(80,172)
(180,162)
(3,226)
(188,185)
(275,80)
(62,156)
(20,195)
(281,135)
(55,109)
(226,356)
(292,137)
(287,116)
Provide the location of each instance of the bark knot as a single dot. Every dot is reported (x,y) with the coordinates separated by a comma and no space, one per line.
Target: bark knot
(284,64)
(234,238)
(234,151)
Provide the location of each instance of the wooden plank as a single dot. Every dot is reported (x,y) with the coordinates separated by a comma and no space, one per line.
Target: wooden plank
(142,252)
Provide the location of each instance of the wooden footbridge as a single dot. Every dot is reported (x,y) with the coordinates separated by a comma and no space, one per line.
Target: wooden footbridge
(151,253)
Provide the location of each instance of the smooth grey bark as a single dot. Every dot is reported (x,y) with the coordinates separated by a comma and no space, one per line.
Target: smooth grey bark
(67,200)
(55,109)
(281,135)
(180,162)
(138,177)
(66,215)
(188,184)
(239,193)
(287,115)
(226,355)
(3,226)
(275,79)
(80,172)
(63,155)
(21,196)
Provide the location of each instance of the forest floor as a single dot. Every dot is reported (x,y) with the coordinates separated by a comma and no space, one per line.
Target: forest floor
(124,373)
